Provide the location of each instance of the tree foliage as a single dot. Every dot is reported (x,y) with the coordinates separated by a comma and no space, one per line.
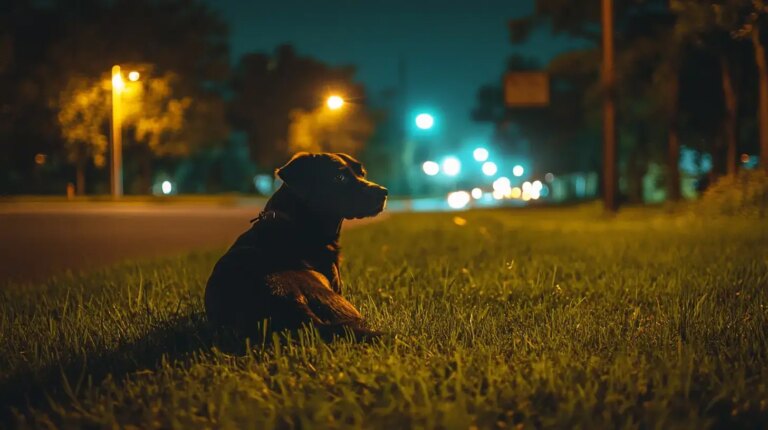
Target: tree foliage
(271,92)
(324,130)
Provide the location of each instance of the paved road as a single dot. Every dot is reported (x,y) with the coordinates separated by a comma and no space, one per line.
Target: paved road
(39,240)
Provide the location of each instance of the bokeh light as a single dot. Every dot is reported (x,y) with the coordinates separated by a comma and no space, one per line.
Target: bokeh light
(166,187)
(133,76)
(335,102)
(489,168)
(480,154)
(477,193)
(425,121)
(458,199)
(502,185)
(430,168)
(518,170)
(451,166)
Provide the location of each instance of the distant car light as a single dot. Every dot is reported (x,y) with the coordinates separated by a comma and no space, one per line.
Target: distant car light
(451,166)
(458,199)
(480,154)
(489,168)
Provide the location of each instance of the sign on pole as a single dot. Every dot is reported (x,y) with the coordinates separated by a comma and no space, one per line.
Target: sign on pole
(526,89)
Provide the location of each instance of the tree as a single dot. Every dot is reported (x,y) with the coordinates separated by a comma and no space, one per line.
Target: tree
(152,114)
(45,45)
(83,116)
(267,89)
(324,130)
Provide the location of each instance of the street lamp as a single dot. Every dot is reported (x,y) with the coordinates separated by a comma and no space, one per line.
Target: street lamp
(334,102)
(116,171)
(118,85)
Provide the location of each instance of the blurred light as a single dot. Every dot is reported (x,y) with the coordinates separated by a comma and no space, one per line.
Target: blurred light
(516,193)
(489,168)
(502,185)
(40,159)
(133,76)
(477,193)
(526,196)
(745,158)
(459,221)
(518,170)
(167,187)
(549,177)
(535,195)
(117,81)
(335,102)
(536,185)
(544,191)
(527,187)
(430,168)
(480,154)
(424,121)
(263,184)
(451,166)
(498,195)
(458,199)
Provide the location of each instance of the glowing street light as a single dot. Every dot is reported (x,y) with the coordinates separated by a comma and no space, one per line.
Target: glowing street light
(116,171)
(430,168)
(518,170)
(489,168)
(480,154)
(451,166)
(425,121)
(116,159)
(334,102)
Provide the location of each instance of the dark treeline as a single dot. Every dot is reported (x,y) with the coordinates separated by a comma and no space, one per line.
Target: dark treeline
(690,74)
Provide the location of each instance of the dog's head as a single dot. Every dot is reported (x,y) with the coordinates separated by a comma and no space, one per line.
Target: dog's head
(333,183)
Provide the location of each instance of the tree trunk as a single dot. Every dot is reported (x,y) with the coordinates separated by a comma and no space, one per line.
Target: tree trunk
(673,156)
(730,128)
(80,176)
(762,72)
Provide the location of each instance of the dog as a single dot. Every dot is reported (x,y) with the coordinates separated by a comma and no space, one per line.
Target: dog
(285,269)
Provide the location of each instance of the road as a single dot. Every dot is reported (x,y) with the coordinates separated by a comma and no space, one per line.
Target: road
(42,239)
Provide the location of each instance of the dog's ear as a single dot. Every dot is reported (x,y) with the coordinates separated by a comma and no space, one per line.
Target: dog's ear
(296,169)
(355,165)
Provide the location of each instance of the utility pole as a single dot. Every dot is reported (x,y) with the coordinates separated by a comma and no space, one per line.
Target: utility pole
(609,111)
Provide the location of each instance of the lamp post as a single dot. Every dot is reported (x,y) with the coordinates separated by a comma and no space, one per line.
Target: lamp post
(116,159)
(116,171)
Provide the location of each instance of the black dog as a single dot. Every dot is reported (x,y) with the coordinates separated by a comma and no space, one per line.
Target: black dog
(285,269)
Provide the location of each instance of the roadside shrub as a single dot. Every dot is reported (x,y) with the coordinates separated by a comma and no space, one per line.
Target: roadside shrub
(744,194)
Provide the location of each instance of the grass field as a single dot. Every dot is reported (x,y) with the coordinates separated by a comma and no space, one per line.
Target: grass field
(516,319)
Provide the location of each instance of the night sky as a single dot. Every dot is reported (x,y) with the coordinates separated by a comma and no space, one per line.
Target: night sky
(450,48)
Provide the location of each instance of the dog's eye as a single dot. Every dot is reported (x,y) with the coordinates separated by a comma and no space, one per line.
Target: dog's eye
(341,178)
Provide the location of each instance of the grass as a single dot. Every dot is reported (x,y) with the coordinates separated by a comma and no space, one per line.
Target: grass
(516,319)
